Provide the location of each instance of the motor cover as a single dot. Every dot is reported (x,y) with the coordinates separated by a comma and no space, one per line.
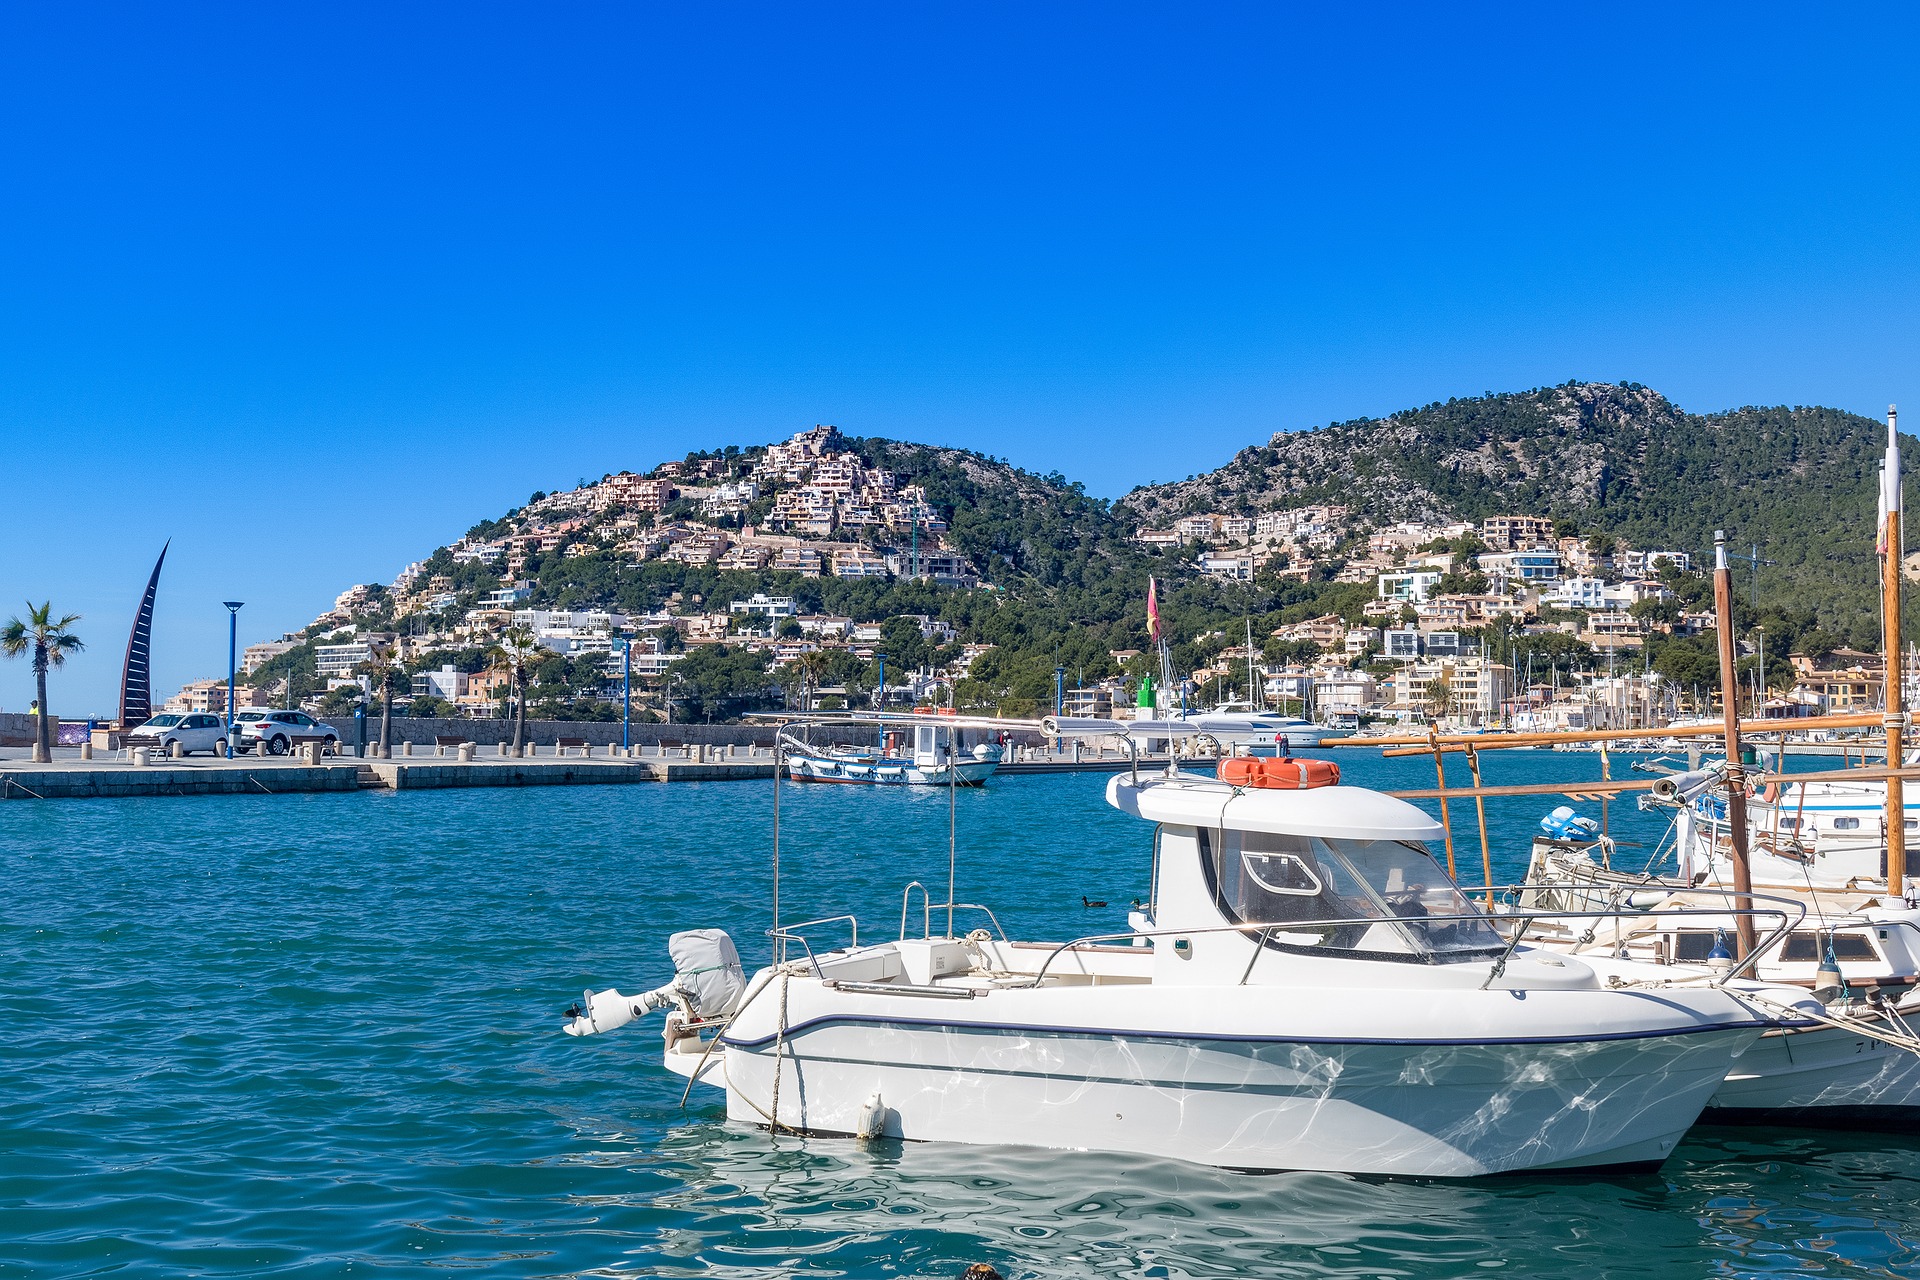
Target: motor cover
(706,967)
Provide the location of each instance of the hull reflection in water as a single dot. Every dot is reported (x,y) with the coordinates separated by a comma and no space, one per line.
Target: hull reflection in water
(751,1206)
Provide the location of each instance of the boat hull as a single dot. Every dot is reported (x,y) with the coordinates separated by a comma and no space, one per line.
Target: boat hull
(972,773)
(1273,1101)
(1825,1077)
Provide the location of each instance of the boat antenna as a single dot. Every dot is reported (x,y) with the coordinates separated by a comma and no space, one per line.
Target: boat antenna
(953,791)
(779,738)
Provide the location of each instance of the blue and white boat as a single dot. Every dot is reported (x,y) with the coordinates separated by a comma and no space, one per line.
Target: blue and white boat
(909,751)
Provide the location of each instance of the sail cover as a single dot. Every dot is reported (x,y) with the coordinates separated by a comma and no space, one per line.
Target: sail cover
(136,684)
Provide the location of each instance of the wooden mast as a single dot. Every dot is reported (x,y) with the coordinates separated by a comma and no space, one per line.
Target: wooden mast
(1890,545)
(1729,705)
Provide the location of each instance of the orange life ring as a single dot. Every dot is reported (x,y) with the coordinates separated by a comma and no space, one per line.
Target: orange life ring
(1271,774)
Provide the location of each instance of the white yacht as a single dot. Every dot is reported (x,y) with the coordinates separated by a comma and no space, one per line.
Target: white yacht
(1307,989)
(1230,725)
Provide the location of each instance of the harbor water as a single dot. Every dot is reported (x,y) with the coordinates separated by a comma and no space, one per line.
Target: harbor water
(319,1035)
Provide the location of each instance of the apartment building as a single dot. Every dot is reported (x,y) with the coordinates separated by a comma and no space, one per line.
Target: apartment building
(1512,533)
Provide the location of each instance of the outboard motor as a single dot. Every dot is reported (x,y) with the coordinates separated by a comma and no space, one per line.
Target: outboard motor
(1564,824)
(707,983)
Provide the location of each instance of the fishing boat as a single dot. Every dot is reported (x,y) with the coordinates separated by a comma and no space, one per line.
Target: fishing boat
(1306,988)
(908,751)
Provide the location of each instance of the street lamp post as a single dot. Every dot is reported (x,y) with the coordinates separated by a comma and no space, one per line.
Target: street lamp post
(233,649)
(881,699)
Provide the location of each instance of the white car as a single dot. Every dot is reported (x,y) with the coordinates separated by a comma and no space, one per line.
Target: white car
(274,731)
(181,734)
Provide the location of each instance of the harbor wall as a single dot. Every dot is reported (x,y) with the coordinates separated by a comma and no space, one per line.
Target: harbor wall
(599,733)
(86,782)
(16,729)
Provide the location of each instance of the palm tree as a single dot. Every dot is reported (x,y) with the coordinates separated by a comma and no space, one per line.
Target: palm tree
(514,653)
(51,641)
(386,677)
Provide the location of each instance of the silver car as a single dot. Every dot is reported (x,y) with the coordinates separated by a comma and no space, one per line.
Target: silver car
(181,734)
(275,731)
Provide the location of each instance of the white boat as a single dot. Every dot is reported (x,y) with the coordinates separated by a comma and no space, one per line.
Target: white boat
(1233,724)
(1307,989)
(1856,1064)
(923,754)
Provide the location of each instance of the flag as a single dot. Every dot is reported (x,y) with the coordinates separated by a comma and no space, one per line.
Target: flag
(1890,494)
(1153,611)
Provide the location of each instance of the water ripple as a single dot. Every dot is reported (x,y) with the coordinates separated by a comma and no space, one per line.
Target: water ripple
(317,1036)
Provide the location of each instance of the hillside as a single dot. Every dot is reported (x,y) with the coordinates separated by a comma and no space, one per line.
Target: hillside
(985,577)
(1619,461)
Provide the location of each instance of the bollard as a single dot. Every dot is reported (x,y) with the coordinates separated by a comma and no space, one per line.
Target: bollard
(466,753)
(140,757)
(406,748)
(503,747)
(86,751)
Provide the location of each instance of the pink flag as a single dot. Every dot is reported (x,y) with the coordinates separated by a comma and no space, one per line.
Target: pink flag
(1153,612)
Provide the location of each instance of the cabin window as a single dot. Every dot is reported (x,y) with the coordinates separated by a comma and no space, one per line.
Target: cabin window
(1811,948)
(1846,824)
(1384,891)
(1692,944)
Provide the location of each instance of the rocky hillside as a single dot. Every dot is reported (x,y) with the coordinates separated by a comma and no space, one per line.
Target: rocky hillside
(1617,460)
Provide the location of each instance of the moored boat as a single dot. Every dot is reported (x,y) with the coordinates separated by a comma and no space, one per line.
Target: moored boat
(1306,989)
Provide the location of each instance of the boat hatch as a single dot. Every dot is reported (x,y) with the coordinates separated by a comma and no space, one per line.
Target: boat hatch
(1271,877)
(1809,948)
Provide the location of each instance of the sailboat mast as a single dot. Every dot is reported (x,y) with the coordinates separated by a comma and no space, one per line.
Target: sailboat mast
(1262,703)
(1730,709)
(1890,545)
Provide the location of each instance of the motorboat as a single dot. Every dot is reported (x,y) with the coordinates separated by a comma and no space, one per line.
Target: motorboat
(922,753)
(1306,988)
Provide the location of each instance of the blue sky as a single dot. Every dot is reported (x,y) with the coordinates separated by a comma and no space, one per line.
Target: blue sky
(310,289)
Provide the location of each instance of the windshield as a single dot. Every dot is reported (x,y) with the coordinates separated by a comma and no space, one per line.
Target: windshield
(162,722)
(1391,889)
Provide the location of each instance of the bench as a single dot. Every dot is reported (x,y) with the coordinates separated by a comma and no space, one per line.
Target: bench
(441,741)
(322,743)
(562,745)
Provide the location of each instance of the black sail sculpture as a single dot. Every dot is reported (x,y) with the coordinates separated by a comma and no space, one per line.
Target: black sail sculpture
(136,683)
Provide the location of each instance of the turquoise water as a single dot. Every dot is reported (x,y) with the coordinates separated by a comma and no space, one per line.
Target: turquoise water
(320,1036)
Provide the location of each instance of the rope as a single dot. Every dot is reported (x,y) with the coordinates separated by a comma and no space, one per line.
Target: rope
(779,1059)
(717,1037)
(1843,1022)
(774,1125)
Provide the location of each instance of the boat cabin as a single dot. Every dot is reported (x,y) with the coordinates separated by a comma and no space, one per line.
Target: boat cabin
(1333,872)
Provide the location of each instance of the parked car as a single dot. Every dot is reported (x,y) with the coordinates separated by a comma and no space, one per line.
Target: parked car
(274,731)
(181,734)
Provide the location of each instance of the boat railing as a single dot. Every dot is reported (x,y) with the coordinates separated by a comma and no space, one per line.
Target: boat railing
(1790,913)
(926,902)
(787,933)
(928,907)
